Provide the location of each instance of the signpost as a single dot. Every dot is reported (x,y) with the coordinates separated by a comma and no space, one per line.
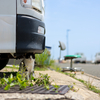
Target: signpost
(62,47)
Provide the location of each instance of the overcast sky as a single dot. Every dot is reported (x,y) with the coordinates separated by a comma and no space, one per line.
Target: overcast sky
(82,17)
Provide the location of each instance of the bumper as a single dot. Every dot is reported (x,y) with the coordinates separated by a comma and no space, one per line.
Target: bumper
(28,40)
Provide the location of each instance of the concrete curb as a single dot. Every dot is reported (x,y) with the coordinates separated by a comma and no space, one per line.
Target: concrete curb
(12,65)
(92,76)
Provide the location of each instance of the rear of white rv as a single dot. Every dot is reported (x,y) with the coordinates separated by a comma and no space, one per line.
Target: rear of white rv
(22,29)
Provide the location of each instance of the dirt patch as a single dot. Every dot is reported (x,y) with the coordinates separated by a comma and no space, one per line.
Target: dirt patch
(9,70)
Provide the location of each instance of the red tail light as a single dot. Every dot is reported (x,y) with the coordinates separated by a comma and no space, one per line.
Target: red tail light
(24,1)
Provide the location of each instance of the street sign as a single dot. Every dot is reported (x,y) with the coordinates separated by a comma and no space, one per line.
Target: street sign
(62,45)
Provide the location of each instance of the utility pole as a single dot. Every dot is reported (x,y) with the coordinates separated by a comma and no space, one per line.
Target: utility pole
(67,42)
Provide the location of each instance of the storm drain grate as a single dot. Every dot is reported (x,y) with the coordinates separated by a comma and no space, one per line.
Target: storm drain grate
(38,90)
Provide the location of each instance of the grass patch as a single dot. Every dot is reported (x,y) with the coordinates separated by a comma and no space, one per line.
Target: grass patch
(40,68)
(87,84)
(56,68)
(70,74)
(42,59)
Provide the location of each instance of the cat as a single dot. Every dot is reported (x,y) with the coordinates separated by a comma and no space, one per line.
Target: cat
(27,66)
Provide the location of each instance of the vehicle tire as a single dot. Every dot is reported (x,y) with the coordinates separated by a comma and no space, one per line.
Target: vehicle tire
(3,63)
(84,62)
(76,62)
(95,62)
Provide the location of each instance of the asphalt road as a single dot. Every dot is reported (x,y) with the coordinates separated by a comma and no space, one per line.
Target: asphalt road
(93,69)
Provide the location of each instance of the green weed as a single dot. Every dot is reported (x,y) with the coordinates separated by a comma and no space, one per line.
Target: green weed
(40,68)
(56,68)
(20,79)
(41,58)
(87,84)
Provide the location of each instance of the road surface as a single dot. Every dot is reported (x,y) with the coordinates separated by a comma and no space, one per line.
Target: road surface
(93,69)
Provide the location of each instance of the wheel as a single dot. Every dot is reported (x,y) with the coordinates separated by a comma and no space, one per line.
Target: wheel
(84,62)
(76,61)
(3,63)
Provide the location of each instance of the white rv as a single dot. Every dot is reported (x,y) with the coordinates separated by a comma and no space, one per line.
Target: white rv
(97,58)
(22,29)
(80,60)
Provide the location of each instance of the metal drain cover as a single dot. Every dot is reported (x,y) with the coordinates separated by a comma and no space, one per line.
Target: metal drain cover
(38,90)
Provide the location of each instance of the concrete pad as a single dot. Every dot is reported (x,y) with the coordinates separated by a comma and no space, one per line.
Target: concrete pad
(62,79)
